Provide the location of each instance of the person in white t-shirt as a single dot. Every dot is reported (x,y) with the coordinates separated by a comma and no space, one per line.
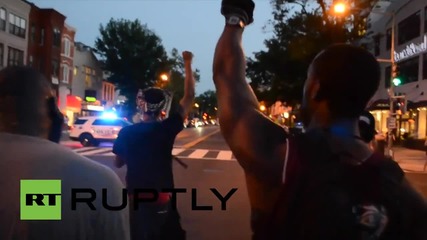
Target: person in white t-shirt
(26,153)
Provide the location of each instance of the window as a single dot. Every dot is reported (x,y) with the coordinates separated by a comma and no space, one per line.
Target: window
(33,33)
(409,70)
(56,37)
(88,70)
(109,122)
(387,77)
(2,19)
(377,45)
(425,19)
(425,66)
(65,74)
(67,47)
(388,40)
(15,57)
(30,61)
(75,71)
(1,55)
(42,37)
(409,28)
(80,121)
(17,25)
(55,68)
(88,81)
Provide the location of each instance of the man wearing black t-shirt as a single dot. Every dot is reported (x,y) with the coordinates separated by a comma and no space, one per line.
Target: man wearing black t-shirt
(146,149)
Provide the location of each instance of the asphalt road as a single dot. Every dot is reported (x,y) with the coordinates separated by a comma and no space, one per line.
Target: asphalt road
(204,174)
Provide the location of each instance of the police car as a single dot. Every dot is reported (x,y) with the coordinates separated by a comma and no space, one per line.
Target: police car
(91,131)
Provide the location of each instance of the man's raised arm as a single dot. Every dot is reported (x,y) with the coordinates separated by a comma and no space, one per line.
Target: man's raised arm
(258,143)
(186,102)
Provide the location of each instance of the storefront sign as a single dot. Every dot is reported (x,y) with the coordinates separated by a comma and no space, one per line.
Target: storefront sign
(411,50)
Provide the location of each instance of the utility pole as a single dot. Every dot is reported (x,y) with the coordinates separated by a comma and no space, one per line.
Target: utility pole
(391,91)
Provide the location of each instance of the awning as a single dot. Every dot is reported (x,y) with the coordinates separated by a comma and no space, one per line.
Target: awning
(73,102)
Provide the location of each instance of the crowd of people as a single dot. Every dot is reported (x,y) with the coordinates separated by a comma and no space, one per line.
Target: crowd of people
(326,183)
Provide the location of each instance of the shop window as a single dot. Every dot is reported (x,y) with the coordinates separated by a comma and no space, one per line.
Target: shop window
(377,40)
(425,19)
(425,66)
(42,37)
(409,28)
(387,77)
(388,39)
(409,70)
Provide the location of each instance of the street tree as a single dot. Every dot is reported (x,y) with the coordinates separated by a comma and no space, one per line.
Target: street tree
(133,54)
(301,30)
(207,103)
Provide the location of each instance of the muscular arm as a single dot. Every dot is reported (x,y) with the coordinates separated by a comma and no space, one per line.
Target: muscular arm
(257,142)
(186,102)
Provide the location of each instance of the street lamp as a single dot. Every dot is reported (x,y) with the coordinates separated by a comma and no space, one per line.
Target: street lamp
(164,77)
(340,8)
(262,108)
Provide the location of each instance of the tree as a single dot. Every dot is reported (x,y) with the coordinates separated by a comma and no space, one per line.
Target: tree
(133,54)
(299,34)
(207,102)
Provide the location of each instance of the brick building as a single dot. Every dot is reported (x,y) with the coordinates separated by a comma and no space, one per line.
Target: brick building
(44,45)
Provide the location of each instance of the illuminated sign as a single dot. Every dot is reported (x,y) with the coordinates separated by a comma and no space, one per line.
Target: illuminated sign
(90,99)
(95,108)
(411,50)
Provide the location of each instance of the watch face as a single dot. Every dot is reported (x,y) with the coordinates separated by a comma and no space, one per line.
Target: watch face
(233,20)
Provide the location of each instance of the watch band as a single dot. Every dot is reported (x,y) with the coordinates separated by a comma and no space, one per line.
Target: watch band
(235,21)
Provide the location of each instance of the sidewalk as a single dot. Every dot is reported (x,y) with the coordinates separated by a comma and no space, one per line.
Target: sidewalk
(410,160)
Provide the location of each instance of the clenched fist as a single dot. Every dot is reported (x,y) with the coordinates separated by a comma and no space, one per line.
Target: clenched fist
(188,56)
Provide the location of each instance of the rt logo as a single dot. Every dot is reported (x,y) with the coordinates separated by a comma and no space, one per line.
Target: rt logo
(40,199)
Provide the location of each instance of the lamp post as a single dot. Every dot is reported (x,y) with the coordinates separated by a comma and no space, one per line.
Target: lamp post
(341,8)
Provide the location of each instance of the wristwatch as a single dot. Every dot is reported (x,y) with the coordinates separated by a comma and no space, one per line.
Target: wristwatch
(235,21)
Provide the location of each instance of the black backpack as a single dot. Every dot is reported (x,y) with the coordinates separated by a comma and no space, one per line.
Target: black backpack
(325,198)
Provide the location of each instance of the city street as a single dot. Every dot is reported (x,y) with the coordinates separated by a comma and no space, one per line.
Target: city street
(212,165)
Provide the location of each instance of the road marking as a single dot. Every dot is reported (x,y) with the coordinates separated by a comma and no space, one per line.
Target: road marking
(199,153)
(191,144)
(177,151)
(85,149)
(96,152)
(225,155)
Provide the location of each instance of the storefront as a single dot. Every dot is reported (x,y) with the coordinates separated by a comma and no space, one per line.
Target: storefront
(72,109)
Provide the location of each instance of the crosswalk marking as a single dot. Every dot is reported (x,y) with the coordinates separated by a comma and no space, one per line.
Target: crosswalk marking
(199,153)
(225,155)
(206,154)
(177,151)
(95,152)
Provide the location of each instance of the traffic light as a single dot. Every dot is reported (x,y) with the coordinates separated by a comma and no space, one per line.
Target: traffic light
(402,105)
(396,75)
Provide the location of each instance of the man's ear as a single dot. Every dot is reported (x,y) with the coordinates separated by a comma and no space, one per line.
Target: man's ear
(316,93)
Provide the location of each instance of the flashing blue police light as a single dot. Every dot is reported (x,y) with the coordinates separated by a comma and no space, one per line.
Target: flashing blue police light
(109,115)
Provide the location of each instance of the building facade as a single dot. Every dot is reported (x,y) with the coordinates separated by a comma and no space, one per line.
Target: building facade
(87,80)
(410,56)
(14,37)
(44,45)
(69,104)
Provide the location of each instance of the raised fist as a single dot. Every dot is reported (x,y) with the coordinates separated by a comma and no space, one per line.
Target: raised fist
(188,56)
(244,9)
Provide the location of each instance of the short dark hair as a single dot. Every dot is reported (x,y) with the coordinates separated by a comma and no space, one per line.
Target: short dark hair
(349,76)
(23,92)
